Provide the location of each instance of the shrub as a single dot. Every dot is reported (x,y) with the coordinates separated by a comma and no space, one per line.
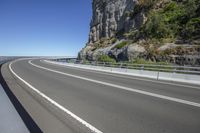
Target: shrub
(133,34)
(106,58)
(192,28)
(113,40)
(85,61)
(156,28)
(170,7)
(147,3)
(121,45)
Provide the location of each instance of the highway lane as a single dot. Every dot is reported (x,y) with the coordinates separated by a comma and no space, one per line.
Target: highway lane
(111,109)
(178,90)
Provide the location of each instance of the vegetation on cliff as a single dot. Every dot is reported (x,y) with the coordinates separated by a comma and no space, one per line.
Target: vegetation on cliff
(175,19)
(167,22)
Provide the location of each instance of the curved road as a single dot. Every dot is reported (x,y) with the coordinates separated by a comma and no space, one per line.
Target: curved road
(111,103)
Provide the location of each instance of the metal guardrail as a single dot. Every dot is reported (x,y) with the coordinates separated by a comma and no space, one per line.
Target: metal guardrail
(149,67)
(4,59)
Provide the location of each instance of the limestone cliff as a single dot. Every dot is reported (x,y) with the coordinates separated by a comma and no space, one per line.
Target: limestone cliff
(109,18)
(156,30)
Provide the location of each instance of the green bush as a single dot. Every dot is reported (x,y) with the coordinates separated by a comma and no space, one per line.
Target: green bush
(106,58)
(133,34)
(121,45)
(171,21)
(156,28)
(192,28)
(175,19)
(113,40)
(85,61)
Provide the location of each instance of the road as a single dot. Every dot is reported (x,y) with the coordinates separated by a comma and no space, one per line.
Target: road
(113,103)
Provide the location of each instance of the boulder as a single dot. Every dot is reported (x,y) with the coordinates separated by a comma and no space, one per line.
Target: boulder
(135,51)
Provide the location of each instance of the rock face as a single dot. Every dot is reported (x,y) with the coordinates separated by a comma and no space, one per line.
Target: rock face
(110,17)
(135,51)
(116,21)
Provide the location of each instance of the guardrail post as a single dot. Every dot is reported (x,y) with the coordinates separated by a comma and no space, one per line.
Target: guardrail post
(173,73)
(120,65)
(142,68)
(158,74)
(126,68)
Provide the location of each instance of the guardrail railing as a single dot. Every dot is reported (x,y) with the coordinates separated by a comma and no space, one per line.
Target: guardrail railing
(6,59)
(150,67)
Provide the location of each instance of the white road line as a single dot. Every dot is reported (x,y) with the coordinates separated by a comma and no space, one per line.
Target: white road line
(112,74)
(123,87)
(89,126)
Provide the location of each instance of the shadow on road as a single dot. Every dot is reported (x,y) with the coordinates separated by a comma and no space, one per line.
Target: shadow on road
(29,122)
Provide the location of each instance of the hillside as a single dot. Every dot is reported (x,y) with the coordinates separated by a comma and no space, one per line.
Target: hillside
(144,30)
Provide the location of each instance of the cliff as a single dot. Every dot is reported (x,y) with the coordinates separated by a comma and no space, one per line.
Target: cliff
(109,17)
(155,30)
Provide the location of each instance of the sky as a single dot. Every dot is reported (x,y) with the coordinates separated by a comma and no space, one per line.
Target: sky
(44,27)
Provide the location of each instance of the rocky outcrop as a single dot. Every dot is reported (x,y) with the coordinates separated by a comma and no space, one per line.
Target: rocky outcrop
(135,51)
(116,21)
(110,20)
(111,17)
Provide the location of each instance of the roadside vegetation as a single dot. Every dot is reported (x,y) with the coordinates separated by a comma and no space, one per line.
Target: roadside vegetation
(147,62)
(175,19)
(106,58)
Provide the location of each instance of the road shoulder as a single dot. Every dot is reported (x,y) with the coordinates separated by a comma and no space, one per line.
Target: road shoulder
(46,117)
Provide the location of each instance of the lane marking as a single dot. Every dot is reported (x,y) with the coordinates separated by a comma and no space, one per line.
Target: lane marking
(83,122)
(118,75)
(122,87)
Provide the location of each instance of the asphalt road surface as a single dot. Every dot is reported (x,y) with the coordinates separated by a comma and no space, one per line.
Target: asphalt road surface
(113,103)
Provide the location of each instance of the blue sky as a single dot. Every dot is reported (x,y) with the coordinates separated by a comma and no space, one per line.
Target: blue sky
(44,27)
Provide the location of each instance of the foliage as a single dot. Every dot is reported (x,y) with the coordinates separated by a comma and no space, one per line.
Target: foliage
(176,19)
(192,28)
(156,28)
(113,40)
(143,5)
(85,61)
(121,45)
(147,4)
(143,61)
(133,34)
(106,58)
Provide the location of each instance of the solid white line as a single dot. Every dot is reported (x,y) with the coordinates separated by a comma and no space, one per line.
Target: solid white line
(123,87)
(89,126)
(118,75)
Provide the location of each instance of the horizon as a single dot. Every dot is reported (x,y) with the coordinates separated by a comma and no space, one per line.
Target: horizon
(44,28)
